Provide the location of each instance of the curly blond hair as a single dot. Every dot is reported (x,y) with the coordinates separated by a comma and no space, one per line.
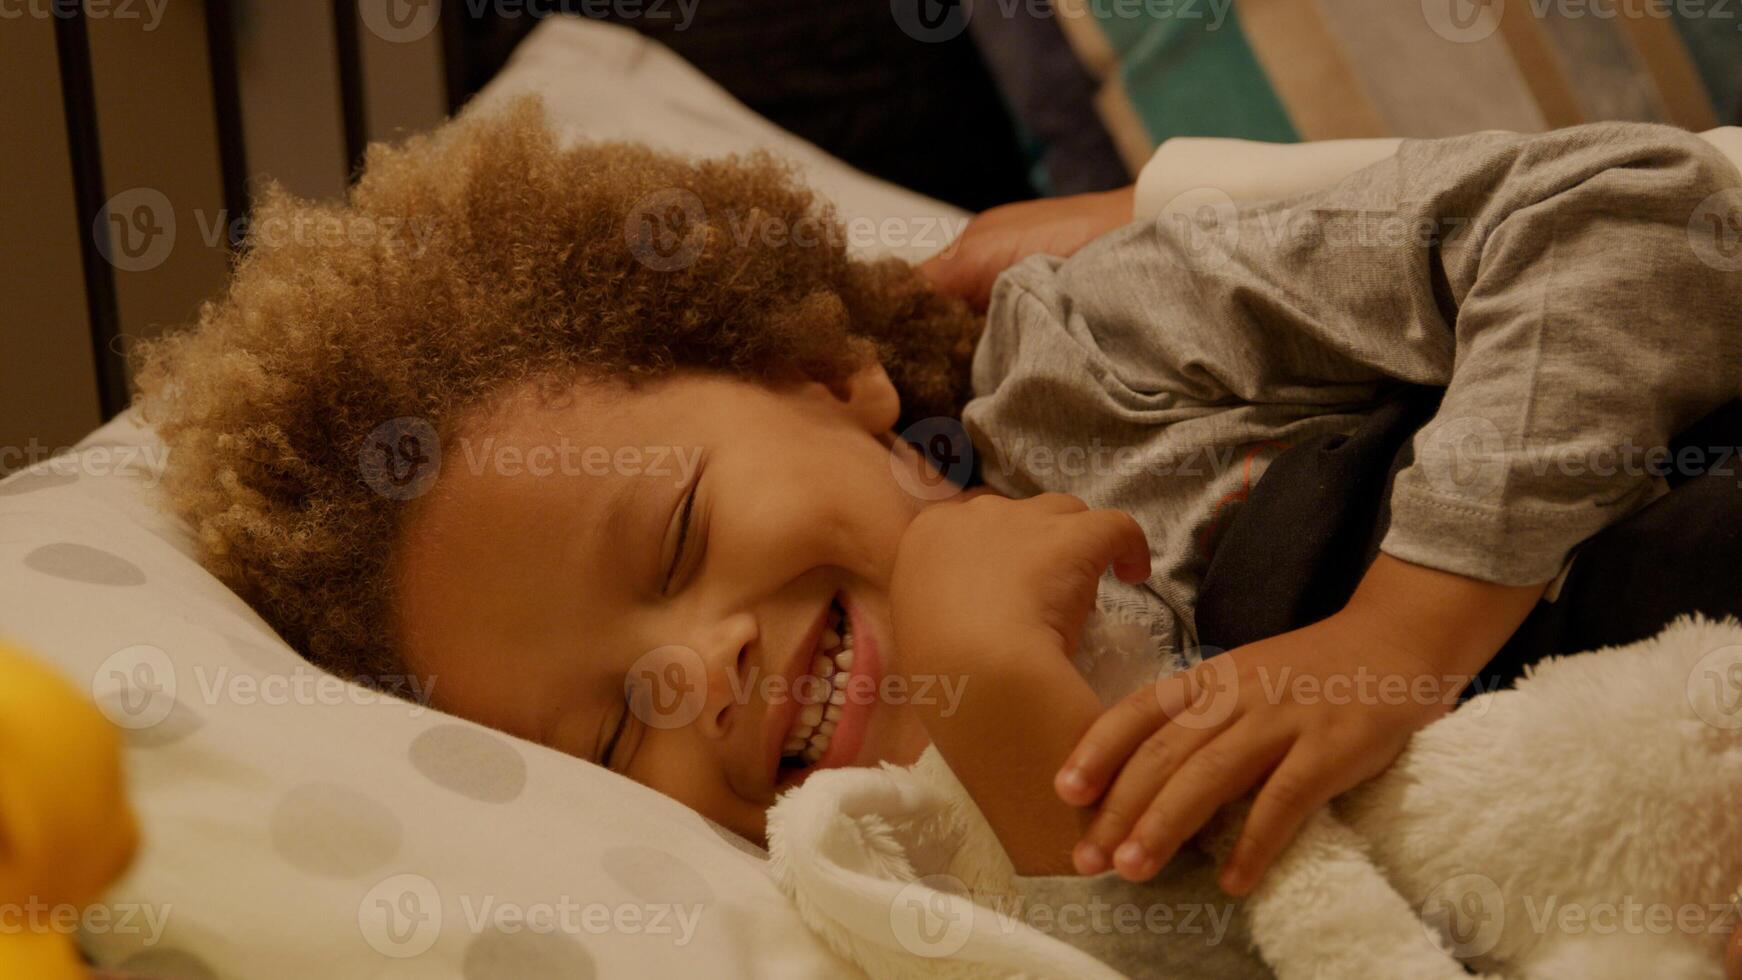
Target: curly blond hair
(462,265)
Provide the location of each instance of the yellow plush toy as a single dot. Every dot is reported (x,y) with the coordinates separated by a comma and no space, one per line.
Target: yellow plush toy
(66,831)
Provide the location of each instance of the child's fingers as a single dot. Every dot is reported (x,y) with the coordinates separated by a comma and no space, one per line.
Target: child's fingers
(1055,502)
(1113,537)
(1305,780)
(1134,789)
(1217,774)
(1110,740)
(1120,542)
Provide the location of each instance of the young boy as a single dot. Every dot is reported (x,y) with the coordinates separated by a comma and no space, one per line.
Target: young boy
(627,479)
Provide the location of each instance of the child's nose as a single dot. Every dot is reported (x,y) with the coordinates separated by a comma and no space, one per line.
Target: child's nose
(727,689)
(731,675)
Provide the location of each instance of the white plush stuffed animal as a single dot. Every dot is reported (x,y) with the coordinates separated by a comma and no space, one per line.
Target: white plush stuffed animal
(1586,824)
(1583,825)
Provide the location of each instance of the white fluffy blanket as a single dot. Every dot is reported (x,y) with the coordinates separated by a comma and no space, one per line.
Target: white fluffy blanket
(1584,825)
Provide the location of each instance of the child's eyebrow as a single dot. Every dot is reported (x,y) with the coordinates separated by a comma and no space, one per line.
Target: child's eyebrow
(631,537)
(619,516)
(618,533)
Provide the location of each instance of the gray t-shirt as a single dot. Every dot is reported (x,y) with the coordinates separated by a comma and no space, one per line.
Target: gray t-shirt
(1578,294)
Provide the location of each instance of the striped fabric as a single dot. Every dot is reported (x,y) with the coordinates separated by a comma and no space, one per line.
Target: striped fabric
(1287,70)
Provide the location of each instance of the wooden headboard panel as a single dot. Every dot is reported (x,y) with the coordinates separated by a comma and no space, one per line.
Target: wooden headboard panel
(171,124)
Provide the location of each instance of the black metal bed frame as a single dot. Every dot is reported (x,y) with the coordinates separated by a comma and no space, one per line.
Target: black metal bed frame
(473,49)
(78,93)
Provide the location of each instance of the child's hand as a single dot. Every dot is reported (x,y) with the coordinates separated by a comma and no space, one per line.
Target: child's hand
(1175,752)
(993,573)
(1307,714)
(992,594)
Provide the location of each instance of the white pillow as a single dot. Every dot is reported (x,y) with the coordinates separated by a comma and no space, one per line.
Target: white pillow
(294,825)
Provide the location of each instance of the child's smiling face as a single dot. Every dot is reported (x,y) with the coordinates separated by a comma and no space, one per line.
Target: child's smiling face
(553,559)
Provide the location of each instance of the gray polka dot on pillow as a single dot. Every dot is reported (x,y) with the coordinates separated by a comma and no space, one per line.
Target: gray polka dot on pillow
(655,876)
(471,762)
(33,480)
(179,721)
(162,963)
(83,563)
(334,831)
(526,955)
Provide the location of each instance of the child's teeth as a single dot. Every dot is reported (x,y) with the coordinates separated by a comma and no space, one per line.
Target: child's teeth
(814,727)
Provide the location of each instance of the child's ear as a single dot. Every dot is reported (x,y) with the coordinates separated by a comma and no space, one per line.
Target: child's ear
(869,397)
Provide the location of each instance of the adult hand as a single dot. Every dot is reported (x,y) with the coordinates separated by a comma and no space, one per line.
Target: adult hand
(1003,236)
